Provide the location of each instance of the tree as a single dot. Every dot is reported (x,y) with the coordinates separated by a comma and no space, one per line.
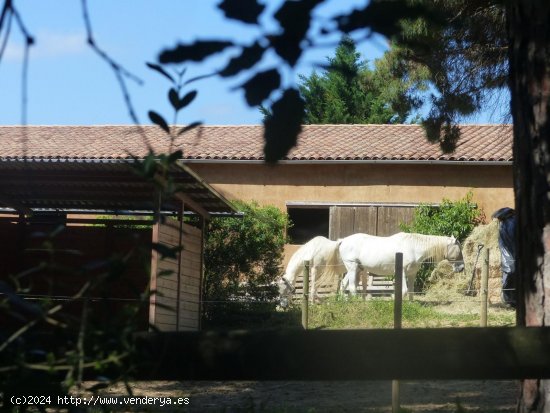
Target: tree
(243,255)
(462,54)
(348,91)
(529,58)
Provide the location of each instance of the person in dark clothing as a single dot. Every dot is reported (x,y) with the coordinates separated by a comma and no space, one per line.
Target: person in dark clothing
(506,242)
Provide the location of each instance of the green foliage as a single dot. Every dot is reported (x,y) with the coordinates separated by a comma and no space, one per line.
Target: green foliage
(243,255)
(456,218)
(349,92)
(449,55)
(129,218)
(464,55)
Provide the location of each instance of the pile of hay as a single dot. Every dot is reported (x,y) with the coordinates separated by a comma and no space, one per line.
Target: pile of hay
(445,285)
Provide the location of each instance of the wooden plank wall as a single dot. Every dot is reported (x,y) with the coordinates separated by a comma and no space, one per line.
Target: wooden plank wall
(164,311)
(381,220)
(79,250)
(177,298)
(389,218)
(191,273)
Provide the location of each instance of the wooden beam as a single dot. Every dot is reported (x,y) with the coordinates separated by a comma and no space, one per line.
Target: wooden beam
(409,354)
(15,204)
(195,206)
(155,239)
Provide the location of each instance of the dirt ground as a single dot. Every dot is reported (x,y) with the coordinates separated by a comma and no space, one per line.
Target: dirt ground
(317,397)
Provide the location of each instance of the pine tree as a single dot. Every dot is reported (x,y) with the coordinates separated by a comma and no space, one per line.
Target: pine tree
(348,91)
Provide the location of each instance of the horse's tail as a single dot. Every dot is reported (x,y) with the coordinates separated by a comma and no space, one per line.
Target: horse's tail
(334,266)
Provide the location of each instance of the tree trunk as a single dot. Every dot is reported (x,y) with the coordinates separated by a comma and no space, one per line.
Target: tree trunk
(529,39)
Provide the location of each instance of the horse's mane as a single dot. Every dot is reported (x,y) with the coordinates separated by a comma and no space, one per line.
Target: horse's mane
(435,246)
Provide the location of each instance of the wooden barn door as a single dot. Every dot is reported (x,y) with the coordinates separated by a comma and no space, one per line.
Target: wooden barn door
(374,220)
(177,281)
(389,218)
(345,221)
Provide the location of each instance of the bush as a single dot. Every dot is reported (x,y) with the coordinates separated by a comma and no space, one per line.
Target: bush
(243,256)
(456,218)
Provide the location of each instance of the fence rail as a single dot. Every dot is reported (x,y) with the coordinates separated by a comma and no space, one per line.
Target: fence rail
(413,354)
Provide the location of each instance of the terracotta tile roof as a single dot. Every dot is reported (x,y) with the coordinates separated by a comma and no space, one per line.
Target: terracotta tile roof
(317,142)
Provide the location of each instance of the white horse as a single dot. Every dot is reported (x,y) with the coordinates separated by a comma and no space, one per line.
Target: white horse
(324,262)
(377,256)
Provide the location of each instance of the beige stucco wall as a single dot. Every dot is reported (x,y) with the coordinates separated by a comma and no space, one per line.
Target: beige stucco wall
(492,186)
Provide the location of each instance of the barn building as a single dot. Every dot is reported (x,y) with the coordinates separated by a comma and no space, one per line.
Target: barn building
(339,179)
(342,179)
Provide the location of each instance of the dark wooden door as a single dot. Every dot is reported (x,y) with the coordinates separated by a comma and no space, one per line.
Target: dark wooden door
(382,220)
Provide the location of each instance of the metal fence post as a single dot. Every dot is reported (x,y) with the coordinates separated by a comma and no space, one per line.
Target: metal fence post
(484,287)
(305,297)
(397,313)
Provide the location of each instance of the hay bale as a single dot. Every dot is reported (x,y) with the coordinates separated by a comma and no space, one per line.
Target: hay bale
(488,236)
(445,285)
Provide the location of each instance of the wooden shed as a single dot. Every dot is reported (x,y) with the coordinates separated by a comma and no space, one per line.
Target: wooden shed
(52,178)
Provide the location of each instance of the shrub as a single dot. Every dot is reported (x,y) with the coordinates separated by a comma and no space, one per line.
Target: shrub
(243,256)
(456,218)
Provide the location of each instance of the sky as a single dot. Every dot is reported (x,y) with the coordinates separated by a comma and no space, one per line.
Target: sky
(69,84)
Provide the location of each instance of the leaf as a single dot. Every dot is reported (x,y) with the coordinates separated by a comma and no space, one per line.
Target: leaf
(165,251)
(178,103)
(382,16)
(246,11)
(175,156)
(165,273)
(294,17)
(189,127)
(187,99)
(194,79)
(195,52)
(259,87)
(148,167)
(159,120)
(174,98)
(283,126)
(249,57)
(160,70)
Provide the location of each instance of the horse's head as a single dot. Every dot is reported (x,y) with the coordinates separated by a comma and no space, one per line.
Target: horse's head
(285,291)
(454,254)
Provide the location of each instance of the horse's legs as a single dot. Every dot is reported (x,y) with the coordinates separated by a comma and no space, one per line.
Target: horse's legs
(365,283)
(344,284)
(370,283)
(312,282)
(352,278)
(404,288)
(411,276)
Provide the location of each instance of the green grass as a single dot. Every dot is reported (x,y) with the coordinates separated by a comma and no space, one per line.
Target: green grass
(338,313)
(355,313)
